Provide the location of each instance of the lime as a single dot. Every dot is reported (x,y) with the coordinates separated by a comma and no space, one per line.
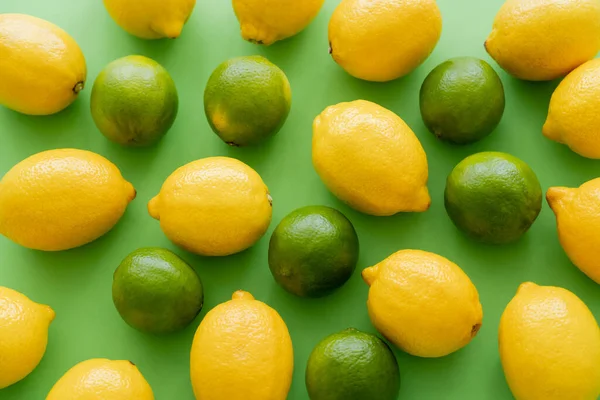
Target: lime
(313,251)
(134,101)
(157,292)
(246,100)
(352,365)
(493,196)
(462,100)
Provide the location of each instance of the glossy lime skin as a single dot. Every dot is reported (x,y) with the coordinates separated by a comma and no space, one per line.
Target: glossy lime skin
(157,292)
(352,365)
(462,100)
(134,101)
(494,197)
(247,100)
(313,251)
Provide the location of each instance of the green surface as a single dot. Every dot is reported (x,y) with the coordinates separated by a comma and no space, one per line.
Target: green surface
(77,283)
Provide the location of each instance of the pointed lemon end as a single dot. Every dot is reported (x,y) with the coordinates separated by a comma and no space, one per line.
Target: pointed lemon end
(242,295)
(555,197)
(49,312)
(130,191)
(423,200)
(550,130)
(370,274)
(153,208)
(524,287)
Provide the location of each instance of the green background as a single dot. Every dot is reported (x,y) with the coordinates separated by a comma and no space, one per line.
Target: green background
(77,283)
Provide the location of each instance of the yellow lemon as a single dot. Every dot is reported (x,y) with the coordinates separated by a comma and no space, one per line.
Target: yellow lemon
(242,351)
(267,21)
(23,335)
(101,379)
(42,68)
(578,219)
(370,159)
(215,206)
(573,118)
(541,40)
(382,40)
(423,303)
(61,199)
(151,19)
(550,345)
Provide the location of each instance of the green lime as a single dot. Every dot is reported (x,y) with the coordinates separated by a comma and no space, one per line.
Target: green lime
(247,100)
(462,100)
(134,101)
(352,365)
(493,196)
(157,292)
(313,251)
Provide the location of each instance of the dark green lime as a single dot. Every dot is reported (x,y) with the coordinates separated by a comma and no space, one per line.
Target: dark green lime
(462,100)
(157,292)
(352,365)
(313,251)
(494,197)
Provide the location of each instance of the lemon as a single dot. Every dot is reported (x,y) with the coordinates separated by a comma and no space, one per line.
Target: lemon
(151,19)
(550,345)
(267,21)
(541,40)
(369,158)
(578,219)
(42,68)
(382,40)
(102,379)
(23,335)
(423,303)
(572,117)
(215,206)
(61,199)
(134,101)
(242,350)
(247,100)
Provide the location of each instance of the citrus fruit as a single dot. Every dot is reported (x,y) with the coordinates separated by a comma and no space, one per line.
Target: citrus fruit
(494,197)
(215,206)
(23,335)
(61,199)
(578,219)
(423,303)
(313,251)
(541,40)
(157,292)
(150,19)
(265,21)
(572,117)
(382,40)
(369,158)
(352,365)
(550,345)
(42,68)
(462,100)
(102,379)
(247,100)
(134,101)
(242,350)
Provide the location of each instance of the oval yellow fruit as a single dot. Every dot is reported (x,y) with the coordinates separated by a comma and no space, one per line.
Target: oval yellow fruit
(423,303)
(42,68)
(23,335)
(541,40)
(382,40)
(369,158)
(266,21)
(572,117)
(550,345)
(215,206)
(578,220)
(101,379)
(242,350)
(61,199)
(151,19)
